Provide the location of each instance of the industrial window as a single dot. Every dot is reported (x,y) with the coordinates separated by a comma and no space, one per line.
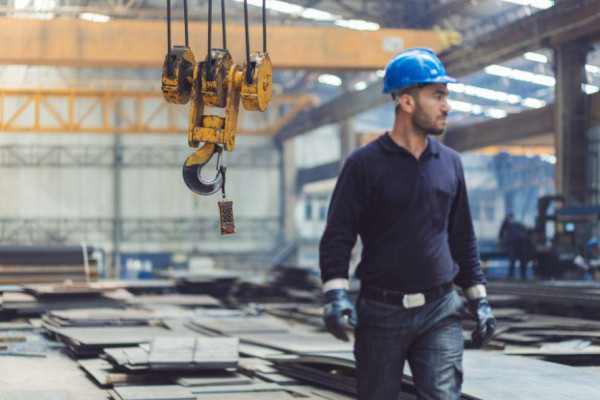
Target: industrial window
(308,211)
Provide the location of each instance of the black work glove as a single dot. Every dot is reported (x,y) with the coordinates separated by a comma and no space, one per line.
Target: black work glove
(337,306)
(486,323)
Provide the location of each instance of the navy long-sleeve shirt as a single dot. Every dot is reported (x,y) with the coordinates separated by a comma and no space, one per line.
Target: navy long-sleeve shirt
(412,216)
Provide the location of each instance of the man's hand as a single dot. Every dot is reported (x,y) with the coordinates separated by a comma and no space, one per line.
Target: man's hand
(486,323)
(337,306)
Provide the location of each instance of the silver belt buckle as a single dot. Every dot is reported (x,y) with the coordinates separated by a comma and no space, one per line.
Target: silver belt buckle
(413,300)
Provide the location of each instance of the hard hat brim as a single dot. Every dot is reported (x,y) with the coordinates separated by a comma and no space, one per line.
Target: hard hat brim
(439,79)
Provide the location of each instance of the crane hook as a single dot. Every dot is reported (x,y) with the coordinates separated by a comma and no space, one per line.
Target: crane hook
(192,170)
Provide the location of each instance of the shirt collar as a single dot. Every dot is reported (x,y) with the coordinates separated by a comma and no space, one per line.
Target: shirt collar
(388,144)
(433,148)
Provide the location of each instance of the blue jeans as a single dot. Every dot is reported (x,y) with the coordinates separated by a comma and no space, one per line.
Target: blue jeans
(429,337)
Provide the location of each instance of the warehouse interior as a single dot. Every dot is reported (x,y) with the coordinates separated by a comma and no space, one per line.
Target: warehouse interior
(119,282)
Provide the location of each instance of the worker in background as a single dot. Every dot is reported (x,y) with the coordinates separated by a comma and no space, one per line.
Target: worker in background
(405,195)
(508,219)
(512,238)
(593,258)
(591,263)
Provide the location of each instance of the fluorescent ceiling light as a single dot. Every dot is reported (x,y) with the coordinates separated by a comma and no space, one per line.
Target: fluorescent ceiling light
(21,4)
(332,80)
(542,4)
(361,85)
(477,109)
(540,58)
(318,15)
(357,24)
(495,113)
(93,17)
(549,158)
(312,14)
(282,7)
(537,57)
(36,9)
(520,75)
(380,73)
(44,5)
(590,89)
(495,95)
(276,5)
(592,69)
(530,102)
(525,76)
(484,93)
(466,107)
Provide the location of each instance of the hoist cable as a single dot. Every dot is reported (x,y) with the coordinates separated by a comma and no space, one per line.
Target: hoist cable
(223,22)
(264,17)
(185,18)
(208,66)
(209,26)
(248,70)
(169,69)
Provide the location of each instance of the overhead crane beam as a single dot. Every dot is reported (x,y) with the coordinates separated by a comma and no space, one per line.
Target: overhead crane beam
(567,20)
(515,127)
(116,111)
(143,44)
(318,173)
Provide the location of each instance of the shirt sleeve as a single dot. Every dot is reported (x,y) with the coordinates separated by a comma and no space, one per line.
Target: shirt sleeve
(461,238)
(343,220)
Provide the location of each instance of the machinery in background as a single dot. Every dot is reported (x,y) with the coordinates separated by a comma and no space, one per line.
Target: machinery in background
(560,236)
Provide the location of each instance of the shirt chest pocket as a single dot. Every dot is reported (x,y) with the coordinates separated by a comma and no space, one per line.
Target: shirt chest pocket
(441,203)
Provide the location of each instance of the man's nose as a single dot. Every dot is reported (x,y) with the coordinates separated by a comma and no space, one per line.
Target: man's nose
(446,107)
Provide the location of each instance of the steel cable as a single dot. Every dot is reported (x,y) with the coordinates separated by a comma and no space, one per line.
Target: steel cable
(185,18)
(169,68)
(248,70)
(223,22)
(264,18)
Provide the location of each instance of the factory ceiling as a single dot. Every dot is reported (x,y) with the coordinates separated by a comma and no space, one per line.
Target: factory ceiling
(523,82)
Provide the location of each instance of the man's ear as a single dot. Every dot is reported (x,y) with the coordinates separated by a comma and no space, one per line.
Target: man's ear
(407,103)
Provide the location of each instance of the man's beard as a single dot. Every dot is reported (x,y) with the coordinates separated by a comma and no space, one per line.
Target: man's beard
(425,124)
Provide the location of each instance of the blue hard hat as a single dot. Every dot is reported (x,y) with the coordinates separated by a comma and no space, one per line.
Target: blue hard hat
(412,66)
(593,242)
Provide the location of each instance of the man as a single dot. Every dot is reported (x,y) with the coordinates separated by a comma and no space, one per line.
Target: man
(591,262)
(405,195)
(593,247)
(512,237)
(502,234)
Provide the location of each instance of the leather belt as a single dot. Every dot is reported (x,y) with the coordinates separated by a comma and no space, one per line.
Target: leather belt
(408,300)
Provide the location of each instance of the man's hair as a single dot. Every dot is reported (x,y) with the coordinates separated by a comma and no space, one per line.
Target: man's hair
(412,90)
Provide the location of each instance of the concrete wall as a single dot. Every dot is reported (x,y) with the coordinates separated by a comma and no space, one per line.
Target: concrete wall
(61,191)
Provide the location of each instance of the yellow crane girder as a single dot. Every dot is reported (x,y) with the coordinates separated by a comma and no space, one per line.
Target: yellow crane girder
(119,111)
(142,44)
